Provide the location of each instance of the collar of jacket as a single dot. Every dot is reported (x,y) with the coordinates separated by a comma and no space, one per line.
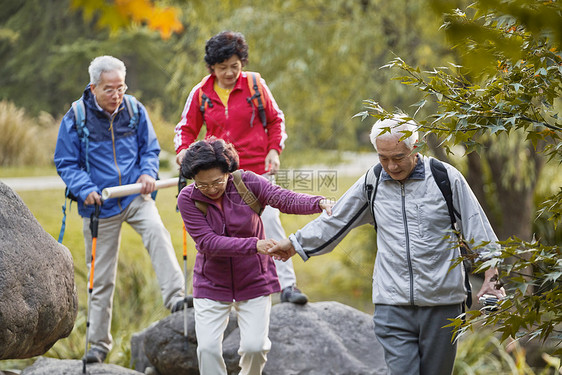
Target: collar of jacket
(417,174)
(209,86)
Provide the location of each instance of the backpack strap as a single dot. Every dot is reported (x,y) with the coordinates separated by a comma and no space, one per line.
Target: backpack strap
(372,186)
(202,206)
(441,177)
(131,104)
(80,123)
(257,98)
(63,223)
(204,101)
(249,197)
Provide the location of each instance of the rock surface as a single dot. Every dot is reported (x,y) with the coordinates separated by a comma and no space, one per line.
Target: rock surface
(37,292)
(51,366)
(319,338)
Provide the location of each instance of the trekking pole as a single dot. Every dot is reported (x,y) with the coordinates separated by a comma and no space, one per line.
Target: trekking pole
(182,182)
(94,221)
(185,304)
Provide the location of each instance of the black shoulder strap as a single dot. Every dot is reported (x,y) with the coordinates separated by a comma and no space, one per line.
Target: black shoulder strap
(441,178)
(204,100)
(371,190)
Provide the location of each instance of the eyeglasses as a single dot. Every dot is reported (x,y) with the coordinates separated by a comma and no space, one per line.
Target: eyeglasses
(120,90)
(214,185)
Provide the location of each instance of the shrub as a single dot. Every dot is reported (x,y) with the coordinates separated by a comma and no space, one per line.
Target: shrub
(25,140)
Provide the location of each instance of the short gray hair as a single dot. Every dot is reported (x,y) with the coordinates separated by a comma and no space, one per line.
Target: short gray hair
(103,64)
(398,125)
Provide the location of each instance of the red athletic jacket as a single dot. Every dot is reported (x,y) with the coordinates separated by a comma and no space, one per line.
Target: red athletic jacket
(233,124)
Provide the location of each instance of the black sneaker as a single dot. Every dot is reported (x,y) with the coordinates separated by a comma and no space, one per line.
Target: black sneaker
(294,295)
(95,355)
(180,304)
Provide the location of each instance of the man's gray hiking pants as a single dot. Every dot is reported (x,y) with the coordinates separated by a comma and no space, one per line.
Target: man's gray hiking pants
(414,340)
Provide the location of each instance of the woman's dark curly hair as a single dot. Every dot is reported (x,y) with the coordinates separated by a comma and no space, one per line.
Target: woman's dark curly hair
(223,46)
(208,154)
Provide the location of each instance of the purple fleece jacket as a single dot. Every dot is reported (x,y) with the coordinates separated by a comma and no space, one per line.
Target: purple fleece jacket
(228,266)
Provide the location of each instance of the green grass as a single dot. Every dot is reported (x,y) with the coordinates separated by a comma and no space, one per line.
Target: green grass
(27,171)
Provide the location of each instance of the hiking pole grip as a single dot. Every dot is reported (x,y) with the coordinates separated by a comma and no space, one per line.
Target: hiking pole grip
(94,221)
(124,190)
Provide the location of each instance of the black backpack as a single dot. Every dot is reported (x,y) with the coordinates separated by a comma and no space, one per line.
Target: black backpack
(442,180)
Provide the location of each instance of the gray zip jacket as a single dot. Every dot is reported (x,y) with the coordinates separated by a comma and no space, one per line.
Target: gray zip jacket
(412,265)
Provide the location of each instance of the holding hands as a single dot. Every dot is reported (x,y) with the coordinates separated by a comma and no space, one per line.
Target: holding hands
(263,246)
(283,250)
(326,205)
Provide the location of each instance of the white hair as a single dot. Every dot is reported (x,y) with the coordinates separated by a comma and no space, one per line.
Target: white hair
(103,64)
(398,126)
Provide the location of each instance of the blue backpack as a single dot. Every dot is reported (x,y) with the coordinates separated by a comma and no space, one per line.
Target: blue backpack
(84,135)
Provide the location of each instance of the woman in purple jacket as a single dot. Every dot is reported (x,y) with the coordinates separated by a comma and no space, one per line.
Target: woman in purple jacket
(232,268)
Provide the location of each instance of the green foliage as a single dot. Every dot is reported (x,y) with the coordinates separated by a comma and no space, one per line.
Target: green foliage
(537,314)
(319,59)
(510,93)
(45,52)
(482,353)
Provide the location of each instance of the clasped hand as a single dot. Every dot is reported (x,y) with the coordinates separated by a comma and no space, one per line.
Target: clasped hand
(281,250)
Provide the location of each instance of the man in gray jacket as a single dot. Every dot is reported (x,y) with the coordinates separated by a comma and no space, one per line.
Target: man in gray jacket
(414,290)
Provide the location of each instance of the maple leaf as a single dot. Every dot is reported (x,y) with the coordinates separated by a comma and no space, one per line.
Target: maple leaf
(137,10)
(117,14)
(165,20)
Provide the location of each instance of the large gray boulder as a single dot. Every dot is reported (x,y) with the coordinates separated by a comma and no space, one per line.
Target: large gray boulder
(51,366)
(319,338)
(37,292)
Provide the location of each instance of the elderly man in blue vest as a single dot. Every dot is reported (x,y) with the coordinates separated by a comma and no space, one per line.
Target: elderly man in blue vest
(115,149)
(414,290)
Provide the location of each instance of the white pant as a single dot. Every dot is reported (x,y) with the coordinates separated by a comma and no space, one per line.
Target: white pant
(143,216)
(211,319)
(274,230)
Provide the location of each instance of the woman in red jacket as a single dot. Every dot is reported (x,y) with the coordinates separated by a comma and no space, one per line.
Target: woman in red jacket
(223,102)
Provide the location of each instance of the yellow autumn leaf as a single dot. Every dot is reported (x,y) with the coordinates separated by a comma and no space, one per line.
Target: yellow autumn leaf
(117,14)
(137,10)
(165,20)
